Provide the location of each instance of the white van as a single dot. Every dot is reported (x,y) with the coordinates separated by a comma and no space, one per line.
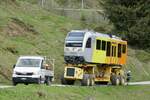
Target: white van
(33,69)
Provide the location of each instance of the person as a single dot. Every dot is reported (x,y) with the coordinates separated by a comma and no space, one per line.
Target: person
(128,76)
(47,66)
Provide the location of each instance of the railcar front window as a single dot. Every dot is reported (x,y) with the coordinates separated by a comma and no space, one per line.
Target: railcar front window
(73,44)
(75,36)
(28,63)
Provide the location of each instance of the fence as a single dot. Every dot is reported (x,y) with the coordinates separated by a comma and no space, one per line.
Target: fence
(76,9)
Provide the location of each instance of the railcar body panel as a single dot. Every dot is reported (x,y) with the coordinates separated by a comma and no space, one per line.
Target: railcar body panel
(93,47)
(94,57)
(99,56)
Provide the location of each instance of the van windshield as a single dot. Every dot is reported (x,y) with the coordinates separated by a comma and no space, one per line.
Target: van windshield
(29,63)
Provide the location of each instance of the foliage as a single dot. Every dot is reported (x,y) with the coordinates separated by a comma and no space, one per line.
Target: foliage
(36,31)
(131,18)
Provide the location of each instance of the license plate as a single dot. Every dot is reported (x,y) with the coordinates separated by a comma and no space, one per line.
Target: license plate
(23,78)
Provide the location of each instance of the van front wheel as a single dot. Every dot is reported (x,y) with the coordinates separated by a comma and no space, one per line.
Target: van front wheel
(14,83)
(39,81)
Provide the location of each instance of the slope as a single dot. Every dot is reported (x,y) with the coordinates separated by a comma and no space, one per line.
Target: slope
(27,29)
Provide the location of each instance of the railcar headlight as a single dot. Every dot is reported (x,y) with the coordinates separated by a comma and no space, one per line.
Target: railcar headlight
(79,50)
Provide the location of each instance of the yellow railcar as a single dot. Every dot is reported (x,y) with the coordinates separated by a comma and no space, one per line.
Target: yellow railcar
(94,57)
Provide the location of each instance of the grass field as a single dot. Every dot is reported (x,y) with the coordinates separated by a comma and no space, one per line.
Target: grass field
(27,29)
(42,92)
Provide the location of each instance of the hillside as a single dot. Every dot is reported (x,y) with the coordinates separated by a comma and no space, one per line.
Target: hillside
(27,29)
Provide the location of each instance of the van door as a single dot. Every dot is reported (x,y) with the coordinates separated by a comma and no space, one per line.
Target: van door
(42,71)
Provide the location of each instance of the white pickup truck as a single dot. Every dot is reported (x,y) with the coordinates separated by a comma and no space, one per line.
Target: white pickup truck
(33,69)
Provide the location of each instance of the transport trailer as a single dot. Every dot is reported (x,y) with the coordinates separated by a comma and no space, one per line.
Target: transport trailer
(33,69)
(93,57)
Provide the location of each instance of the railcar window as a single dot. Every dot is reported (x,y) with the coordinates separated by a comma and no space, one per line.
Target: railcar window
(115,51)
(108,49)
(88,43)
(119,50)
(103,45)
(98,44)
(75,36)
(124,49)
(112,51)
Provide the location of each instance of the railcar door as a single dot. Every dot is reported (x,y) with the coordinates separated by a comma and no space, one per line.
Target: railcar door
(124,53)
(99,55)
(88,50)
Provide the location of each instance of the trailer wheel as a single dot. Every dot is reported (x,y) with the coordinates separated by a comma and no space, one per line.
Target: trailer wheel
(63,81)
(70,82)
(115,80)
(122,80)
(92,80)
(85,80)
(26,83)
(66,82)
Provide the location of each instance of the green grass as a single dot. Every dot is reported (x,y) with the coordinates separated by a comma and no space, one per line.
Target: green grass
(48,41)
(138,62)
(42,92)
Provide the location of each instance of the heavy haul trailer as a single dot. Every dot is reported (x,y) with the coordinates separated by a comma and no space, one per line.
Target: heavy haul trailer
(93,57)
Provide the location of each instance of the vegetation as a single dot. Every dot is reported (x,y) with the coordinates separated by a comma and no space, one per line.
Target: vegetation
(27,29)
(36,92)
(131,19)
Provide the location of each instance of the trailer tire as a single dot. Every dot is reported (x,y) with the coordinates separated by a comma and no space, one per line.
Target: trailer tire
(115,80)
(86,80)
(92,80)
(122,80)
(70,82)
(66,82)
(63,81)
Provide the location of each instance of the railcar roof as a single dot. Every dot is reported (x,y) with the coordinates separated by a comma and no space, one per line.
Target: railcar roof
(31,57)
(97,34)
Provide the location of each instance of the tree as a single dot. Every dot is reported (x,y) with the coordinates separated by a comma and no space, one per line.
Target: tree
(131,18)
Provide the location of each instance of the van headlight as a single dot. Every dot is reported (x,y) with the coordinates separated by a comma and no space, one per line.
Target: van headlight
(15,72)
(67,49)
(36,73)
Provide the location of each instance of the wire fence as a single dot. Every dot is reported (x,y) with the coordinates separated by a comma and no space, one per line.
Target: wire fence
(76,9)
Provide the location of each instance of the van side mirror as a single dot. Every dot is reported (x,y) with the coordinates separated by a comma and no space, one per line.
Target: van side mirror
(14,65)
